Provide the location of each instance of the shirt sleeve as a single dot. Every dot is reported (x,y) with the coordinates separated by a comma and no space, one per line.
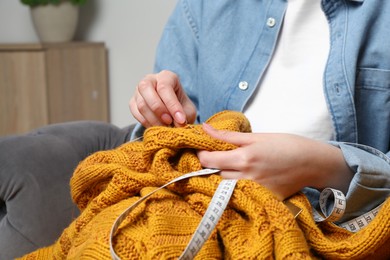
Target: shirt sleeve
(177,50)
(370,185)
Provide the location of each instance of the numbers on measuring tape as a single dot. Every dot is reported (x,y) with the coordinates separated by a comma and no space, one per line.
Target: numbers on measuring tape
(126,212)
(362,221)
(337,209)
(329,199)
(210,219)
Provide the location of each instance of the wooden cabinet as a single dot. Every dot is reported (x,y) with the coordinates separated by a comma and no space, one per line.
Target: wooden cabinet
(42,84)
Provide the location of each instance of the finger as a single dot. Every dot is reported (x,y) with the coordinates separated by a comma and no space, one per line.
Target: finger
(144,121)
(147,90)
(136,114)
(231,175)
(223,160)
(150,119)
(236,138)
(190,111)
(169,89)
(278,191)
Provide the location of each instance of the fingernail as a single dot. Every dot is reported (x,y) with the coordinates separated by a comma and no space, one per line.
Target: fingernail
(180,118)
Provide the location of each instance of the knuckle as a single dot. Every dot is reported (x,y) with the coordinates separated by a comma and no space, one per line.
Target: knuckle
(162,86)
(149,77)
(246,160)
(165,87)
(155,106)
(171,105)
(133,102)
(143,85)
(143,121)
(167,73)
(142,106)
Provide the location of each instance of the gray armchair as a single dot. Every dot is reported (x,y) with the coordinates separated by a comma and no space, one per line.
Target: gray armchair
(35,169)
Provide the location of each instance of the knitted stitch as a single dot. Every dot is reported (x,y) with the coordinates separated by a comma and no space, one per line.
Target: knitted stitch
(255,224)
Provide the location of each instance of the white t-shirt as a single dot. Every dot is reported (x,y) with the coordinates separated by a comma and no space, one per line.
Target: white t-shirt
(290,97)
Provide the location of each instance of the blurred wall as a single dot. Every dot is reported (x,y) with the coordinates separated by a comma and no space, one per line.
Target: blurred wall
(130,29)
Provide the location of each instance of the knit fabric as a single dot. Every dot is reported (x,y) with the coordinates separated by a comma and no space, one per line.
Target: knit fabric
(255,224)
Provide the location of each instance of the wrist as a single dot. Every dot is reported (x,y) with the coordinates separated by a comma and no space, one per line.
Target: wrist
(335,171)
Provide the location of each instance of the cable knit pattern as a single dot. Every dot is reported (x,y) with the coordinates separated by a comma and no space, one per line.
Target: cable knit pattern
(255,224)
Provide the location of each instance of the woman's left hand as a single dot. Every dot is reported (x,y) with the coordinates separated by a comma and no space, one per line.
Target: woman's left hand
(284,163)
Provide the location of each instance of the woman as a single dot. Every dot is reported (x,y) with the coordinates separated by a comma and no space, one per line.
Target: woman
(313,78)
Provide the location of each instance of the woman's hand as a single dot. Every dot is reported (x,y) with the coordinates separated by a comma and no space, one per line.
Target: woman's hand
(159,99)
(284,163)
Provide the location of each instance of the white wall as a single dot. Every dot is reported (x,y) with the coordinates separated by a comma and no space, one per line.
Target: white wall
(130,28)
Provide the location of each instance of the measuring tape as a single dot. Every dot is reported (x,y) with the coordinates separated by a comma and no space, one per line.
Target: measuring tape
(210,218)
(360,222)
(337,209)
(221,199)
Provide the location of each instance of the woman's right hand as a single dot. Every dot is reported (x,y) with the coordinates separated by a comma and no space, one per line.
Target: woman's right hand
(159,99)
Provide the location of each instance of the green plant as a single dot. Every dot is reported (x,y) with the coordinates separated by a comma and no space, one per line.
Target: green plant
(45,2)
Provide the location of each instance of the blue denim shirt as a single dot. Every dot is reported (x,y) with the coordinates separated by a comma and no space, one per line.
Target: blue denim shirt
(215,45)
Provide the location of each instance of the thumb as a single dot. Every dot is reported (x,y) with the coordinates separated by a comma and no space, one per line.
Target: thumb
(236,138)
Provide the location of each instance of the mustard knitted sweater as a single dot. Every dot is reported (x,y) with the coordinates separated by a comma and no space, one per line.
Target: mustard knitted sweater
(255,224)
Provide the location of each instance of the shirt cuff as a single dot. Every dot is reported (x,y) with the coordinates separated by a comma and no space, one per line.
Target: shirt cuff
(137,132)
(370,185)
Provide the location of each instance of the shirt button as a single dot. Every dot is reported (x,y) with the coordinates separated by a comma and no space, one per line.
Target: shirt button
(271,22)
(243,85)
